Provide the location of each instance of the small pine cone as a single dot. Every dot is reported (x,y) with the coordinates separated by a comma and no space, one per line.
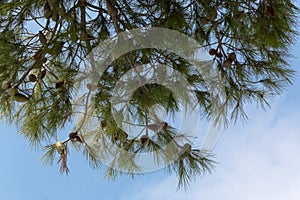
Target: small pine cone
(38,55)
(12,91)
(73,135)
(144,139)
(42,74)
(232,56)
(227,63)
(213,15)
(42,38)
(212,52)
(32,78)
(59,84)
(61,148)
(55,16)
(5,85)
(47,10)
(18,97)
(103,124)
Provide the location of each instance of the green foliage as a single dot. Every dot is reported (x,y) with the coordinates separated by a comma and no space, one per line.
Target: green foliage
(248,40)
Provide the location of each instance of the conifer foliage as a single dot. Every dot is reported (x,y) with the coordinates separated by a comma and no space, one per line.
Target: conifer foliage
(44,42)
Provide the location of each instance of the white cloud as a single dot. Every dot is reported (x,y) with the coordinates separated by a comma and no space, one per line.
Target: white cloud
(258,161)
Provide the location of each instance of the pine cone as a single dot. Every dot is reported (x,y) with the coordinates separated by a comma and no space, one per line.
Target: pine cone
(42,74)
(47,10)
(232,56)
(212,52)
(61,148)
(144,139)
(55,16)
(75,136)
(227,63)
(59,84)
(213,15)
(5,85)
(42,38)
(12,91)
(32,78)
(21,97)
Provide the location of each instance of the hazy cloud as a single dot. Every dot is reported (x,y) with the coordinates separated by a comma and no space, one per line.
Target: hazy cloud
(258,161)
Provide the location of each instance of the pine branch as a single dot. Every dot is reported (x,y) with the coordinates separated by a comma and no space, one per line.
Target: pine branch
(40,62)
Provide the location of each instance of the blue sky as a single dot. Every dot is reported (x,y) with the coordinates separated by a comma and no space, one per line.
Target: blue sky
(258,160)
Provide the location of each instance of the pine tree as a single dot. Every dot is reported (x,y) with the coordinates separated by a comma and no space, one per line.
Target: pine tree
(44,43)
